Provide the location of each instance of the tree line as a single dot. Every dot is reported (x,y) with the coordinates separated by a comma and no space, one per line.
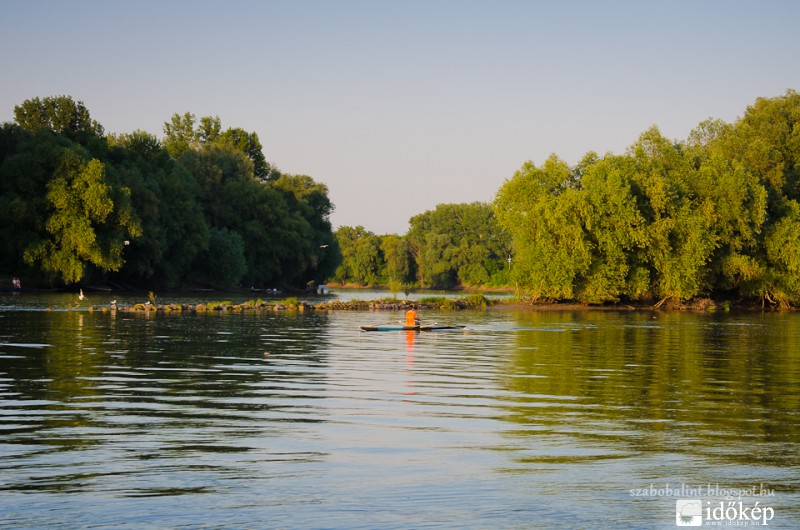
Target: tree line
(451,245)
(717,214)
(202,205)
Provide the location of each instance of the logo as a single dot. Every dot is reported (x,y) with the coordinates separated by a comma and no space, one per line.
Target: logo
(689,512)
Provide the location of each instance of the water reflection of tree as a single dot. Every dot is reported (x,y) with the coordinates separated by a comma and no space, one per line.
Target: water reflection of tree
(56,382)
(209,355)
(139,388)
(651,381)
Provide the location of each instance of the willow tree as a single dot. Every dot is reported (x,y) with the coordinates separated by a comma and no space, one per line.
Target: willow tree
(764,143)
(613,229)
(80,227)
(679,232)
(538,207)
(738,201)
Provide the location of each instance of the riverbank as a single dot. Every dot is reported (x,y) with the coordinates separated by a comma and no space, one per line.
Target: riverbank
(699,305)
(293,304)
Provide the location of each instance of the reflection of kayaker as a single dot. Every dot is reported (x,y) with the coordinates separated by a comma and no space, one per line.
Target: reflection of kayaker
(410,336)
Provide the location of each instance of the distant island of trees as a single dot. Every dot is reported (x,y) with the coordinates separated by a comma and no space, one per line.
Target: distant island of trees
(717,214)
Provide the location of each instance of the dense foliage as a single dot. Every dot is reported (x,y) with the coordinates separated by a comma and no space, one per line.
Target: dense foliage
(202,206)
(718,213)
(454,244)
(715,214)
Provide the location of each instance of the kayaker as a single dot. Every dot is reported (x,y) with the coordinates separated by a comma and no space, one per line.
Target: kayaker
(412,318)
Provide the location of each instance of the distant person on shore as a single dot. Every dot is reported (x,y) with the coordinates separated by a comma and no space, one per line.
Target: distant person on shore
(16,284)
(412,318)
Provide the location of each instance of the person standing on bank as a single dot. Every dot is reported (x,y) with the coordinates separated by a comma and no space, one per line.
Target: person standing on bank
(412,318)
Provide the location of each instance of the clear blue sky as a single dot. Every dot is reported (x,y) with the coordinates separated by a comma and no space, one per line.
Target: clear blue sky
(401,105)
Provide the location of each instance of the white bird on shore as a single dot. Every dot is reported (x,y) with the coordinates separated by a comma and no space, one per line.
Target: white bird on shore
(80,294)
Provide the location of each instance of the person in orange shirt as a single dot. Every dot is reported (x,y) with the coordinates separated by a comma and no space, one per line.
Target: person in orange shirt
(412,318)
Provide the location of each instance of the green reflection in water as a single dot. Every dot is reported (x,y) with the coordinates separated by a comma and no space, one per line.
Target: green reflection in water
(626,384)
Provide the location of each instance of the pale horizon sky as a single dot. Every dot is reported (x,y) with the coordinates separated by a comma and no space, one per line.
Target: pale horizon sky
(400,106)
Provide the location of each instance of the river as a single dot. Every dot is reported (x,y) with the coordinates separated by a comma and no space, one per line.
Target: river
(562,419)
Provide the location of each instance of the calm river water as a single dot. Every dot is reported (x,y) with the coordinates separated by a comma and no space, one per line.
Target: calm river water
(523,420)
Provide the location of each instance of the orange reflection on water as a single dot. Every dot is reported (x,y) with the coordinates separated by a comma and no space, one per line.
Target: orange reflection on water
(411,336)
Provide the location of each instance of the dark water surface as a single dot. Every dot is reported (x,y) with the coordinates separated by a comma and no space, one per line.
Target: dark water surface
(524,420)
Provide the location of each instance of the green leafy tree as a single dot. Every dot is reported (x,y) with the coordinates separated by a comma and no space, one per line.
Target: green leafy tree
(765,140)
(59,114)
(362,262)
(738,202)
(209,129)
(250,145)
(131,208)
(317,255)
(613,230)
(780,283)
(679,232)
(27,163)
(165,196)
(538,208)
(180,135)
(457,244)
(396,254)
(763,153)
(223,265)
(81,203)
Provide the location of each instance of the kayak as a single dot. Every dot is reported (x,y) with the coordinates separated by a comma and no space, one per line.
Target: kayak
(390,327)
(400,327)
(438,327)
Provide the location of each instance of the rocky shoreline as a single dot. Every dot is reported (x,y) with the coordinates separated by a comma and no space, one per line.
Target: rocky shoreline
(431,303)
(301,306)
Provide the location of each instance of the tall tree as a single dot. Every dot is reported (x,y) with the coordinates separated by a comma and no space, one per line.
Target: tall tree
(680,236)
(538,207)
(763,151)
(458,244)
(614,231)
(396,255)
(165,195)
(180,135)
(249,144)
(59,114)
(318,255)
(81,203)
(362,262)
